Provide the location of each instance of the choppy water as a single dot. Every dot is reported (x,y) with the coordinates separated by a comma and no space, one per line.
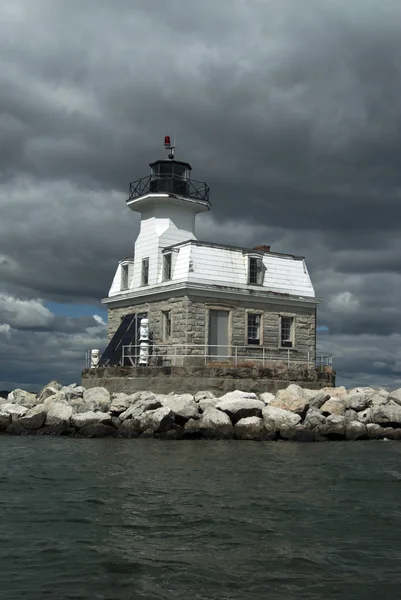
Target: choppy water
(148,519)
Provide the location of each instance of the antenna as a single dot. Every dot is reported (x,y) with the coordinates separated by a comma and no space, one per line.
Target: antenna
(169,146)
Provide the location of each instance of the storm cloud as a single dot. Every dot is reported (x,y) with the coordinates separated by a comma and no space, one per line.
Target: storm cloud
(289,110)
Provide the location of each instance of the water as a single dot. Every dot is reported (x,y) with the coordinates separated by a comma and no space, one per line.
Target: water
(147,519)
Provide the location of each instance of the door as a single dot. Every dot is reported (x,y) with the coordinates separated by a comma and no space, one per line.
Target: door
(218,334)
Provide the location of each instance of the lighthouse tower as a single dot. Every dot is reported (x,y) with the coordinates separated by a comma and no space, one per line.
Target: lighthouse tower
(168,200)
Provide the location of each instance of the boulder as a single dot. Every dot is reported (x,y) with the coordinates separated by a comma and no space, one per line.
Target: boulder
(238,409)
(34,420)
(98,398)
(14,409)
(379,398)
(98,430)
(73,392)
(129,429)
(337,392)
(291,399)
(249,428)
(298,433)
(207,403)
(58,414)
(392,434)
(334,427)
(374,431)
(119,405)
(314,420)
(212,424)
(140,406)
(357,400)
(160,419)
(364,416)
(238,395)
(23,398)
(395,396)
(48,390)
(275,418)
(204,395)
(351,415)
(319,399)
(266,397)
(81,420)
(384,414)
(355,430)
(183,406)
(5,420)
(57,398)
(333,406)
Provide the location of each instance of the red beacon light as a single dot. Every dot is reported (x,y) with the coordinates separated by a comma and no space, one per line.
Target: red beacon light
(167,141)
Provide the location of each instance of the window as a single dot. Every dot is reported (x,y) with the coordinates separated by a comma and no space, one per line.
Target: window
(124,277)
(145,271)
(167,266)
(255,271)
(166,325)
(253,328)
(287,332)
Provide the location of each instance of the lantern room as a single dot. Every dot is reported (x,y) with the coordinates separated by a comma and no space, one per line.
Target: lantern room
(169,176)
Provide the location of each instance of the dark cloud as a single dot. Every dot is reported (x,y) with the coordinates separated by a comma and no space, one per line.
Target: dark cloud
(292,116)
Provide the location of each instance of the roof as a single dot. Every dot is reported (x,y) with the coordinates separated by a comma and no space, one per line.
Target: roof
(229,247)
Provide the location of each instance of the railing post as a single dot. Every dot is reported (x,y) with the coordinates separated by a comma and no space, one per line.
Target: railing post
(144,342)
(236,355)
(263,356)
(288,359)
(95,357)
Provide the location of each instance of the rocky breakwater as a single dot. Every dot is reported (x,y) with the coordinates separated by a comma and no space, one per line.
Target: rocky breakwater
(292,414)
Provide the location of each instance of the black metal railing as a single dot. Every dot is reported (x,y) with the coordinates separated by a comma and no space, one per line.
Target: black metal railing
(169,184)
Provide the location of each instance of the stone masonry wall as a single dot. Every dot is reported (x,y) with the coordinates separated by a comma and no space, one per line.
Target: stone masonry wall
(190,322)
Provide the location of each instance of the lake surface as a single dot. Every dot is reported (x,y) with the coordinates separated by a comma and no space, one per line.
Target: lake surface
(148,519)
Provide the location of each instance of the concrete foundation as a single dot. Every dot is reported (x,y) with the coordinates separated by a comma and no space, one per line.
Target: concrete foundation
(164,380)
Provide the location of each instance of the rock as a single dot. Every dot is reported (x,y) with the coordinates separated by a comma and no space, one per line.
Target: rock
(364,416)
(380,398)
(98,430)
(276,418)
(160,419)
(357,401)
(48,390)
(355,430)
(374,432)
(395,396)
(58,414)
(314,420)
(73,392)
(5,420)
(60,428)
(351,415)
(238,395)
(14,409)
(15,427)
(241,408)
(291,399)
(57,398)
(81,420)
(384,414)
(334,427)
(212,424)
(183,406)
(98,398)
(129,429)
(207,403)
(338,392)
(140,406)
(206,395)
(333,406)
(392,434)
(35,420)
(319,399)
(171,434)
(148,433)
(249,428)
(298,433)
(119,405)
(266,397)
(22,398)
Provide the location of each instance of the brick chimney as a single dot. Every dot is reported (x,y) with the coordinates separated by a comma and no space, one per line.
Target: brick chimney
(262,248)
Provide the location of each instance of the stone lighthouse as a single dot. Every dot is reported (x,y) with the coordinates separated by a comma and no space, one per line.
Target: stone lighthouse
(204,302)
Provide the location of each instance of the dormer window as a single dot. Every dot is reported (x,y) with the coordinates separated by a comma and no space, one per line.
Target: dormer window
(145,271)
(124,277)
(255,270)
(167,266)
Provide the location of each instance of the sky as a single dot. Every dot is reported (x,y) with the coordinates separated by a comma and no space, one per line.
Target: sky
(290,111)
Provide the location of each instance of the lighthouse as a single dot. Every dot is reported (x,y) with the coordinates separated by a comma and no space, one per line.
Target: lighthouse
(168,200)
(203,302)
